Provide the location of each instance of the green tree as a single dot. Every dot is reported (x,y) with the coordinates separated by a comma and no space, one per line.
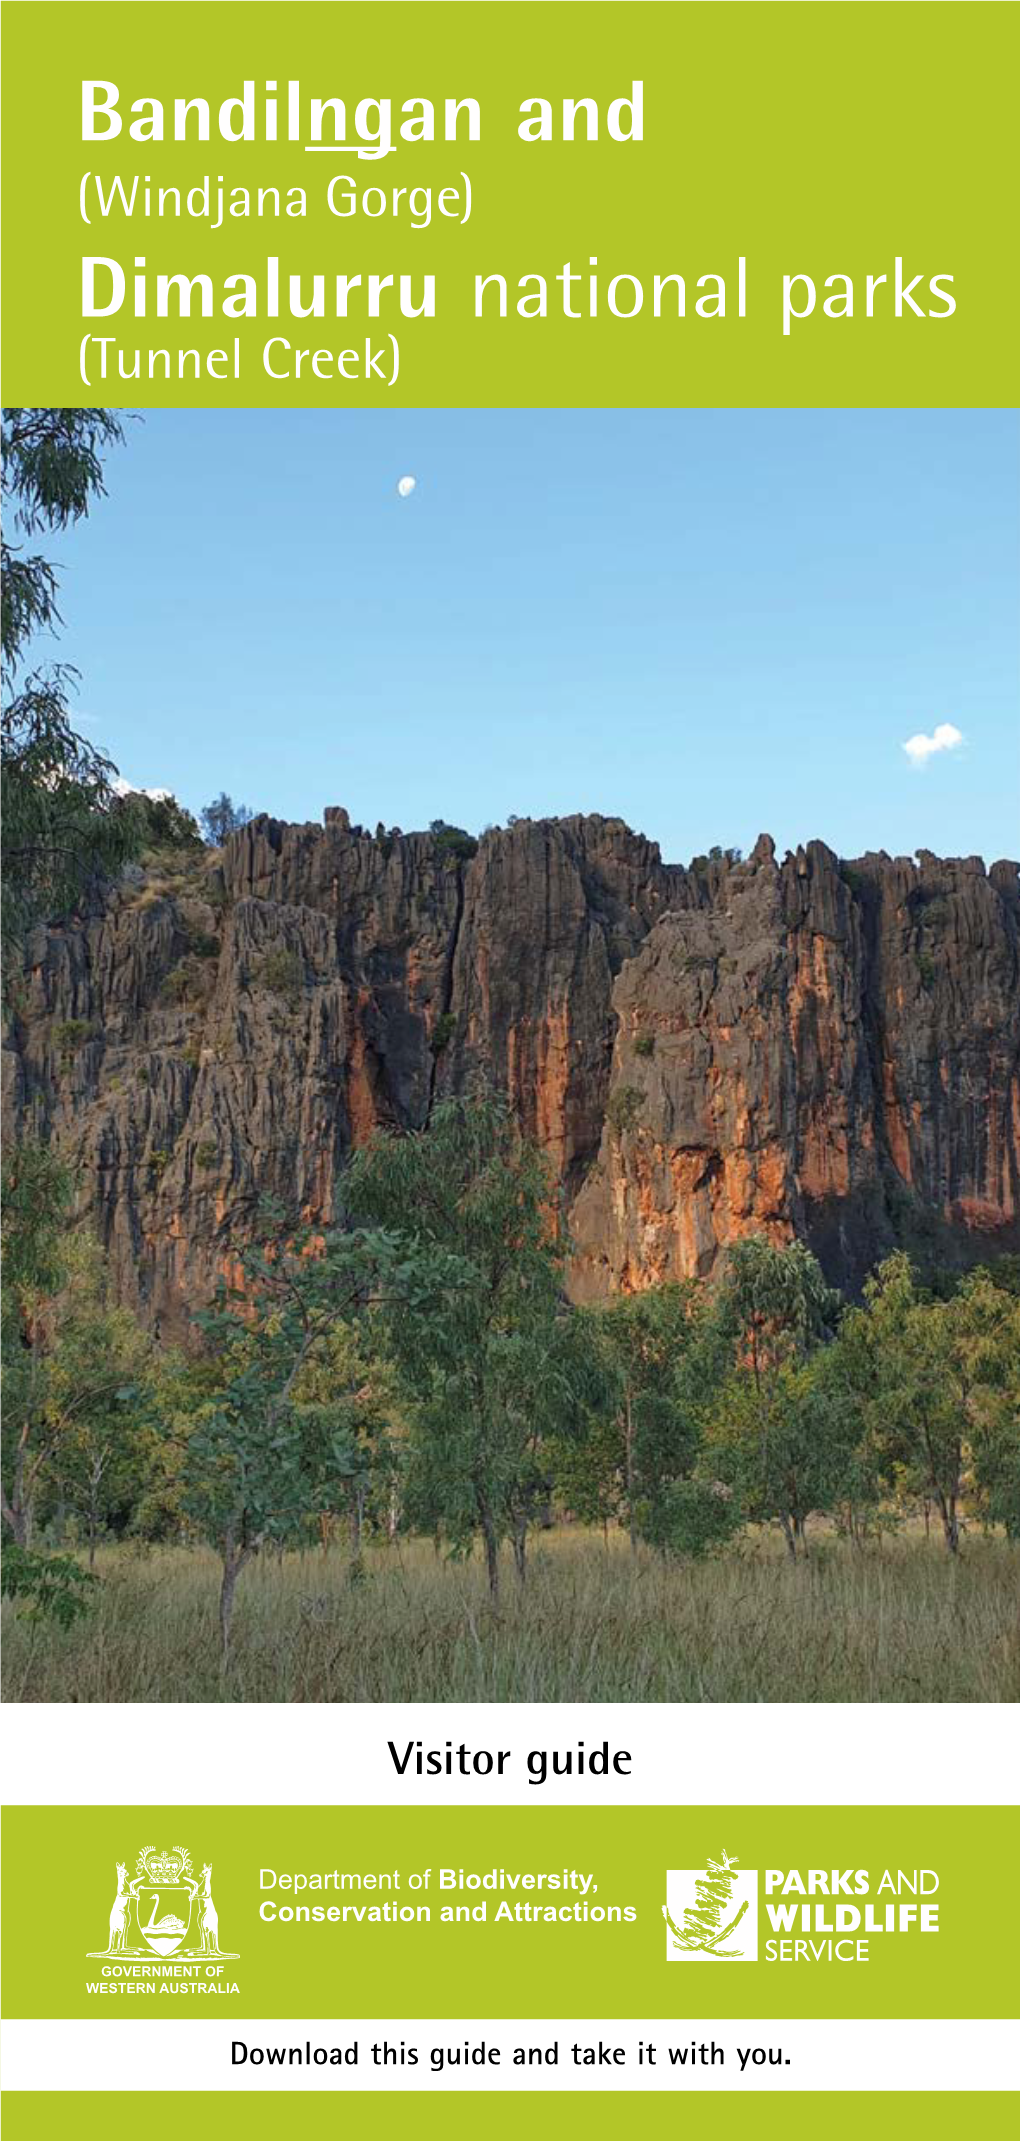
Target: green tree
(452,840)
(164,822)
(348,1418)
(892,1359)
(171,1393)
(785,1445)
(937,1383)
(263,1452)
(586,1470)
(641,1339)
(490,1358)
(69,1354)
(103,1456)
(222,817)
(685,1508)
(778,1301)
(62,823)
(782,1427)
(37,1198)
(985,1317)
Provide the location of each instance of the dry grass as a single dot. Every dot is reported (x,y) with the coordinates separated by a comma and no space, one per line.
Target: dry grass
(897,1623)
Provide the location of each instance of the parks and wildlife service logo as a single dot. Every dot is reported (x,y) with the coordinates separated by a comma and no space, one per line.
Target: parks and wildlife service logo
(711,1913)
(163,1912)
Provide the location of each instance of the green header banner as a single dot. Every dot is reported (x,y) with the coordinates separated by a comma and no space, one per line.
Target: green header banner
(519,1912)
(472,205)
(940,2116)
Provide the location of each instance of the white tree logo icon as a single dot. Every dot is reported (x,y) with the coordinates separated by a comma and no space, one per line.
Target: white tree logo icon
(710,1920)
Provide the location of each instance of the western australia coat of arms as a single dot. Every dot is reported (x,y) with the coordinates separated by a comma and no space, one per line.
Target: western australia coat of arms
(163,1909)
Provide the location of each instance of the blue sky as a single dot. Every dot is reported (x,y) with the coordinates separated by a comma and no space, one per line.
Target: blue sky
(710,623)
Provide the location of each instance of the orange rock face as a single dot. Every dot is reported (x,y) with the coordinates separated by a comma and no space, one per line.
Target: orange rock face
(817,1049)
(813,1048)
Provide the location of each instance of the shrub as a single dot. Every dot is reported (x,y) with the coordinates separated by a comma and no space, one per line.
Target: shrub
(694,1518)
(623,1107)
(164,822)
(189,980)
(206,1153)
(644,1044)
(203,944)
(70,1035)
(442,1032)
(175,985)
(453,841)
(282,973)
(856,881)
(935,907)
(47,1586)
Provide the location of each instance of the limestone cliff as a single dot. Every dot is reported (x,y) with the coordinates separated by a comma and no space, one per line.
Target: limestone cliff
(810,1047)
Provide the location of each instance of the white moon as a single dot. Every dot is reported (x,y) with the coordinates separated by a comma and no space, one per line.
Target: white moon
(406,485)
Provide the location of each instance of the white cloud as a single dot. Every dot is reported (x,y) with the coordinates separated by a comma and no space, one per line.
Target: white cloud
(156,795)
(405,485)
(943,738)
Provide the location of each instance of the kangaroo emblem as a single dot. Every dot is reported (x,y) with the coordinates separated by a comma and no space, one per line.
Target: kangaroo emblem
(119,1914)
(209,1924)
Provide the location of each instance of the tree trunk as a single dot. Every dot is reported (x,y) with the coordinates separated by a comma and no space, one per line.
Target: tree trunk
(788,1534)
(945,1502)
(18,1510)
(520,1547)
(16,1519)
(491,1558)
(628,1430)
(234,1560)
(231,1564)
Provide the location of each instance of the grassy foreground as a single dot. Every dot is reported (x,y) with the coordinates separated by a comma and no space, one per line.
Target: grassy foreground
(896,1623)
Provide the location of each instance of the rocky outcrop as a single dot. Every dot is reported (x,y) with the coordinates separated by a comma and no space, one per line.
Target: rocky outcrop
(808,1047)
(825,1050)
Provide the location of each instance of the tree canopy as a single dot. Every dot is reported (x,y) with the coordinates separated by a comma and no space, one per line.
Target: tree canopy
(62,821)
(416,1367)
(223,816)
(490,1358)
